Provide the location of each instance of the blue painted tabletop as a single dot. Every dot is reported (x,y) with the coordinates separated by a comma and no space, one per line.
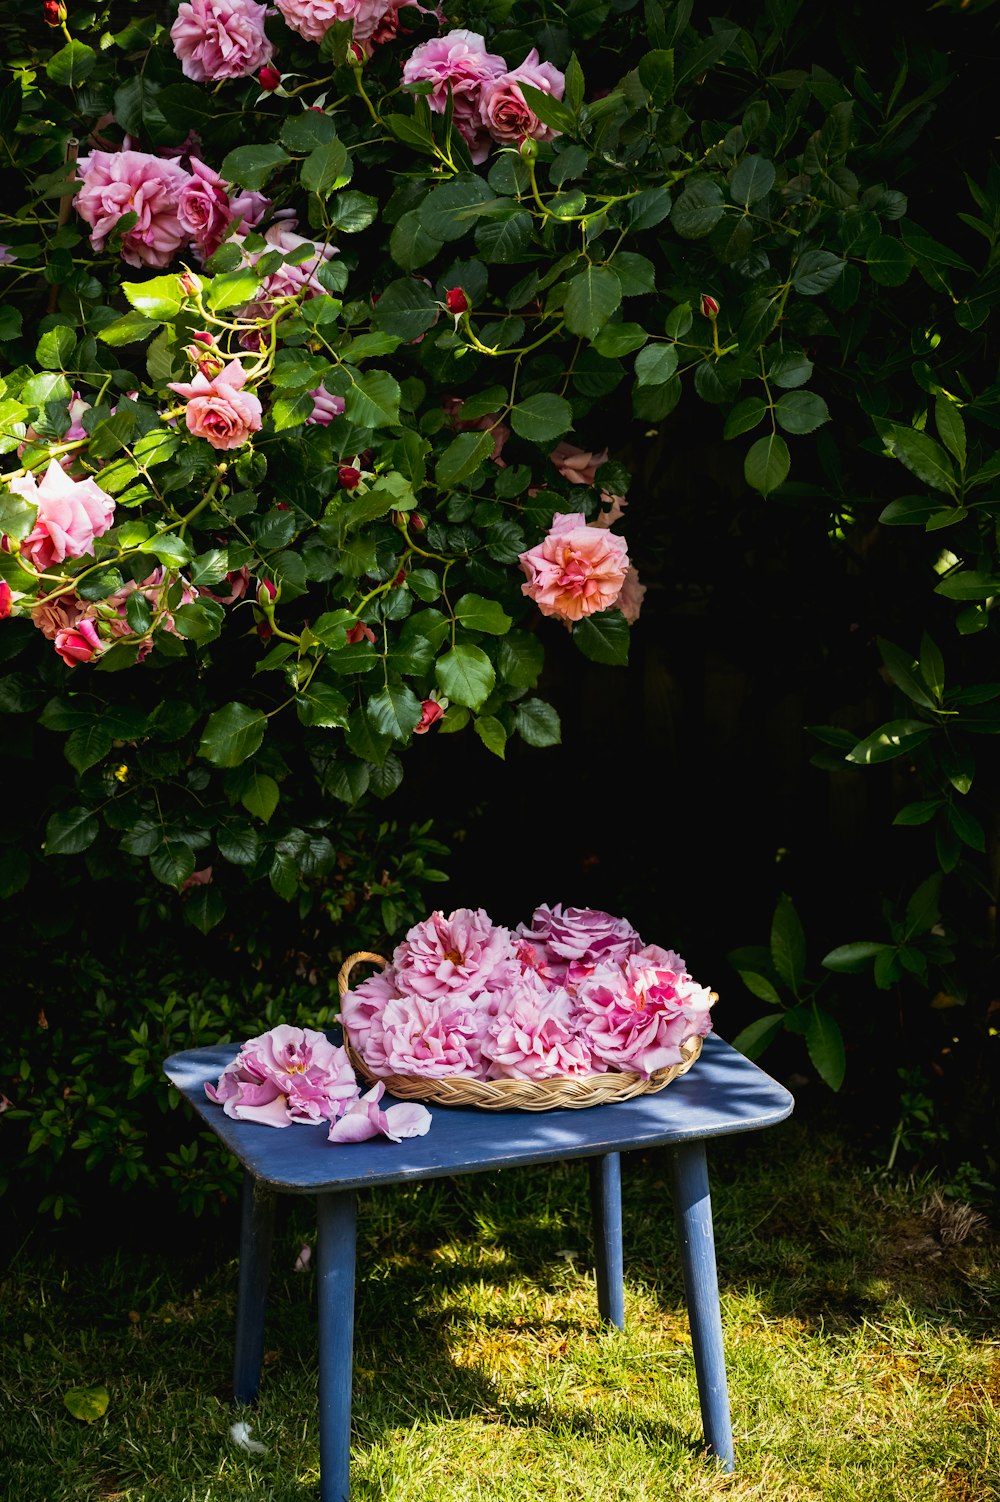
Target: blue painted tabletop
(723,1093)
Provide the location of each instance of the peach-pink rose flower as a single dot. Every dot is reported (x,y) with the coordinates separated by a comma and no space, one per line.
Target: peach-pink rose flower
(71,514)
(502,107)
(576,570)
(578,466)
(80,643)
(218,409)
(53,616)
(116,183)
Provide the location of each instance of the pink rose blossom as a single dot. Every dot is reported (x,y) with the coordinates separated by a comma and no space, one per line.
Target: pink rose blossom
(578,466)
(237,580)
(312,19)
(326,407)
(459,62)
(616,510)
(434,1038)
(361,1007)
(533,1035)
(219,410)
(430,712)
(78,644)
(71,515)
(116,183)
(289,1074)
(54,616)
(291,281)
(203,208)
(248,208)
(632,595)
(364,1119)
(576,570)
(584,936)
(202,878)
(636,1015)
(6,600)
(502,106)
(217,39)
(360,632)
(463,953)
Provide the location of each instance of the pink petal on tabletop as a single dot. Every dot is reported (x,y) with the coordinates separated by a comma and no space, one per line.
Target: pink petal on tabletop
(408,1119)
(274,1114)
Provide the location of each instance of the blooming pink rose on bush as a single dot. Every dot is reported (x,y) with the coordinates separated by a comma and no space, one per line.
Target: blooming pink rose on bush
(428,1037)
(290,281)
(463,953)
(6,600)
(116,183)
(460,62)
(312,19)
(502,107)
(71,514)
(636,1015)
(218,409)
(364,1119)
(80,643)
(532,1033)
(289,1074)
(578,466)
(576,570)
(216,39)
(633,593)
(430,712)
(237,582)
(53,616)
(203,208)
(326,407)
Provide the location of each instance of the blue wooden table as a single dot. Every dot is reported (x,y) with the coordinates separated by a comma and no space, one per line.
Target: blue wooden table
(722,1094)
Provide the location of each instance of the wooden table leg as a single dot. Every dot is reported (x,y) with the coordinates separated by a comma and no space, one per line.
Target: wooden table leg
(335,1258)
(693,1215)
(606,1210)
(256,1239)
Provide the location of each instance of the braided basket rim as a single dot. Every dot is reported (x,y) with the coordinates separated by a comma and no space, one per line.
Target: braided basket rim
(564,1093)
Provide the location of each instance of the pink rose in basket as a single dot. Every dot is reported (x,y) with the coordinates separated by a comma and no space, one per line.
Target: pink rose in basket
(289,1074)
(533,1034)
(576,570)
(465,953)
(361,1008)
(636,1016)
(585,936)
(435,1038)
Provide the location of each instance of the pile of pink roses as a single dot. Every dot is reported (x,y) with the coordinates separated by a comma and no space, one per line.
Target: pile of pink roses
(574,993)
(293,1074)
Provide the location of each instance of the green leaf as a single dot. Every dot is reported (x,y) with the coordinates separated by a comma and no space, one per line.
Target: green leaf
(968,828)
(925,458)
(591,298)
(968,584)
(617,339)
(231,288)
(542,419)
(172,863)
(889,740)
(72,65)
(905,673)
(162,297)
(373,400)
(760,986)
(466,675)
(753,1039)
(87,746)
(502,241)
(888,261)
(395,711)
(801,411)
(792,368)
(656,74)
(232,734)
(352,212)
(349,781)
(648,208)
(239,844)
(492,734)
(260,795)
(323,168)
(449,211)
(753,179)
(788,944)
(204,908)
(129,329)
(463,455)
(199,621)
(698,210)
(479,614)
(549,110)
(767,464)
(55,348)
(816,271)
(167,547)
(537,723)
(655,364)
(825,1043)
(291,411)
(17,516)
(47,387)
(951,428)
(406,308)
(87,1403)
(251,166)
(744,417)
(323,706)
(604,637)
(70,832)
(850,959)
(304,132)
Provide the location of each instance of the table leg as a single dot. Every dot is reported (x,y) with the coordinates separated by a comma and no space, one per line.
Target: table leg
(256,1239)
(606,1210)
(693,1215)
(335,1272)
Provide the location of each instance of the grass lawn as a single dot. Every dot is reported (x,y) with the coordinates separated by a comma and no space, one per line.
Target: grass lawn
(863,1346)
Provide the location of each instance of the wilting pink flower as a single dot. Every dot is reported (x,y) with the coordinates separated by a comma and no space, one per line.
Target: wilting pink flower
(360,632)
(79,643)
(289,1074)
(502,106)
(238,580)
(71,514)
(6,600)
(116,183)
(532,1033)
(637,1015)
(578,466)
(53,616)
(216,39)
(364,1118)
(630,600)
(459,62)
(219,410)
(576,570)
(312,19)
(202,878)
(463,953)
(326,406)
(582,934)
(430,712)
(436,1038)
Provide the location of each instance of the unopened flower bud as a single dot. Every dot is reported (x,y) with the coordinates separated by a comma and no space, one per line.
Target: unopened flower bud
(202,336)
(528,148)
(269,78)
(417,522)
(188,285)
(267,592)
(54,12)
(348,477)
(400,578)
(456,301)
(356,55)
(709,306)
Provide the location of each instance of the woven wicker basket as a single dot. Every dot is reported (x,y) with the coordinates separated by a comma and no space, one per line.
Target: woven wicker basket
(514,1095)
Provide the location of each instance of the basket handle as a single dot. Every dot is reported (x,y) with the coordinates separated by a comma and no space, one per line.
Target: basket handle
(344,974)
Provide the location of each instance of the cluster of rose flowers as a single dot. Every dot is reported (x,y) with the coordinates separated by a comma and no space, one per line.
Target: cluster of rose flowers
(296,1075)
(576,992)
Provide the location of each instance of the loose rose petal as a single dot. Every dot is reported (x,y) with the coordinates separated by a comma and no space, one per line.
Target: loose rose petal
(408,1119)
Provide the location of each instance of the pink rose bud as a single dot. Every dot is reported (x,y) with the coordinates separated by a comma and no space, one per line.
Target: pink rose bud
(78,644)
(430,713)
(709,306)
(54,12)
(6,602)
(189,288)
(269,78)
(348,477)
(203,336)
(456,301)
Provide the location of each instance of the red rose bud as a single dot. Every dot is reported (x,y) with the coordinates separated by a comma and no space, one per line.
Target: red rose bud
(203,336)
(356,55)
(6,602)
(400,578)
(54,12)
(268,78)
(456,301)
(348,477)
(189,287)
(417,522)
(709,306)
(267,592)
